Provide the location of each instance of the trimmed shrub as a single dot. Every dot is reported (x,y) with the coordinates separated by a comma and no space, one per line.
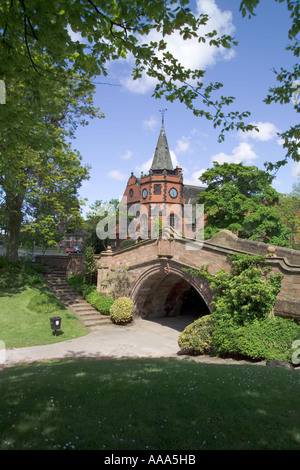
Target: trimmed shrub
(121,310)
(90,293)
(269,339)
(100,302)
(224,337)
(196,338)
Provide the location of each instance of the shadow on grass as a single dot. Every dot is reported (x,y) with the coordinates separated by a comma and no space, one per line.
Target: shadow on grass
(16,277)
(147,404)
(57,333)
(10,292)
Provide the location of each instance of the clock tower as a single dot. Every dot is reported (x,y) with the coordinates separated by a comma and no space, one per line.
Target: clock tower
(160,194)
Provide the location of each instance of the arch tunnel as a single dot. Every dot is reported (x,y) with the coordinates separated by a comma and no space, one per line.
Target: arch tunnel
(158,294)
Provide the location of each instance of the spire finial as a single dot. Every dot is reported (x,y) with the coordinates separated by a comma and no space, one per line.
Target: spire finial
(162,158)
(162,111)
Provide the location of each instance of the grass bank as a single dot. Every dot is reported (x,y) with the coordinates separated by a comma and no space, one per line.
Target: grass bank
(26,305)
(149,404)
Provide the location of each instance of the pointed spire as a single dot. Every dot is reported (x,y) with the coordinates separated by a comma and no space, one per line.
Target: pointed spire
(162,158)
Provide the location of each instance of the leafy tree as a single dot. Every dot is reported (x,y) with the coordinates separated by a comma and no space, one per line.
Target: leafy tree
(289,206)
(52,212)
(48,77)
(40,174)
(98,211)
(242,322)
(113,30)
(110,31)
(241,199)
(242,298)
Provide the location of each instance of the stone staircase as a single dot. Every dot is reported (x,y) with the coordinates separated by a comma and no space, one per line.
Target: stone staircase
(75,302)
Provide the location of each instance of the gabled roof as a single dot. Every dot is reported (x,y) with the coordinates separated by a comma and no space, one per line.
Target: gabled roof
(162,158)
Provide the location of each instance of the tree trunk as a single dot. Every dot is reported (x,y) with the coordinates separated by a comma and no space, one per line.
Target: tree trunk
(14,219)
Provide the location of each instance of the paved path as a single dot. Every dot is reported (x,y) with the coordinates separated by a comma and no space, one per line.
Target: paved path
(143,338)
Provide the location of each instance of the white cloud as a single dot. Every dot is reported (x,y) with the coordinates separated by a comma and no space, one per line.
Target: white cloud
(242,153)
(126,155)
(194,178)
(183,145)
(150,123)
(74,36)
(267,131)
(174,159)
(117,175)
(145,167)
(189,52)
(139,86)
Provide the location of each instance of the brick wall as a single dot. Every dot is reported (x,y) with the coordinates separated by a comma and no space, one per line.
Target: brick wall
(154,256)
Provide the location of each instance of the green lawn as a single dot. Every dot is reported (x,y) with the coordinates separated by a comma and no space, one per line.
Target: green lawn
(26,305)
(153,404)
(21,326)
(150,404)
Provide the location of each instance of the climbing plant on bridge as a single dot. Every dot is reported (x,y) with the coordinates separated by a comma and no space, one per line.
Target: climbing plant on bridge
(246,294)
(243,310)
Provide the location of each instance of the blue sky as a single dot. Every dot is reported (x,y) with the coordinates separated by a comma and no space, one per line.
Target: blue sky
(125,140)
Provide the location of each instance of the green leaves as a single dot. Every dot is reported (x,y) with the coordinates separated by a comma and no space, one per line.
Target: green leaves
(86,36)
(40,174)
(241,199)
(245,295)
(249,5)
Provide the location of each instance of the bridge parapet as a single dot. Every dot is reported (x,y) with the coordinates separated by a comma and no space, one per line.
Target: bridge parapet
(167,256)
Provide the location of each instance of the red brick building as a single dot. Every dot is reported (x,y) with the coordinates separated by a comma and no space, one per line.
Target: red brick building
(160,195)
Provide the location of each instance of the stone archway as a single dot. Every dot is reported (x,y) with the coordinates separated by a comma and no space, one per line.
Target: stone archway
(165,290)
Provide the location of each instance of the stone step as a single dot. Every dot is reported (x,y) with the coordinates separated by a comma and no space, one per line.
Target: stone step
(95,318)
(96,325)
(87,311)
(75,302)
(58,280)
(83,307)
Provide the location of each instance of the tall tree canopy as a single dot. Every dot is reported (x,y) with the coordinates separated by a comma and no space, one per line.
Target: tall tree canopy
(109,31)
(48,76)
(289,205)
(241,199)
(116,29)
(39,172)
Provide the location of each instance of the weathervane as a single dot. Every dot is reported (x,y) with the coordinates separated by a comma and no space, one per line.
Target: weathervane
(162,111)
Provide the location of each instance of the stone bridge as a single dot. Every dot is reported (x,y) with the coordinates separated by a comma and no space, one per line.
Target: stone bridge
(159,286)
